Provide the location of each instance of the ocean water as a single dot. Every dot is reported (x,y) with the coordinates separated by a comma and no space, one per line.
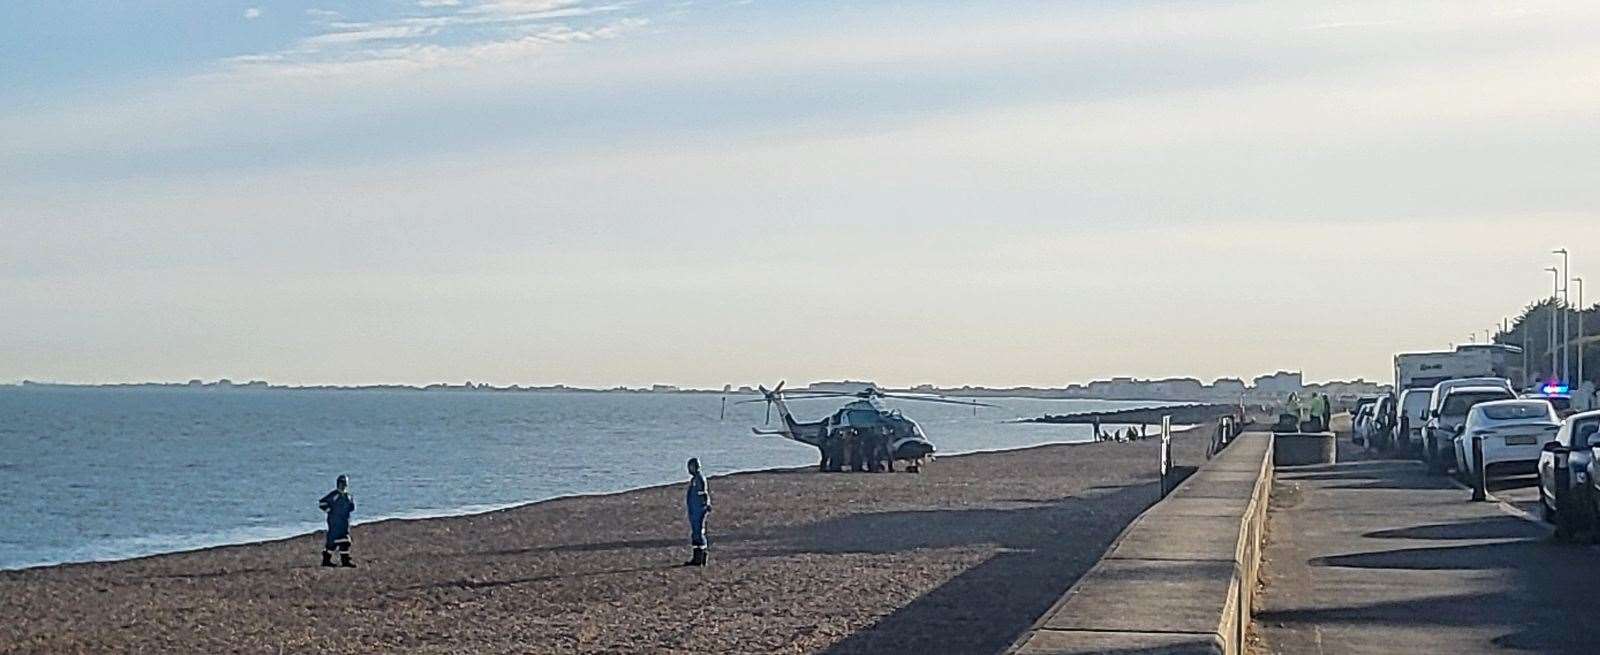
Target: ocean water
(102,474)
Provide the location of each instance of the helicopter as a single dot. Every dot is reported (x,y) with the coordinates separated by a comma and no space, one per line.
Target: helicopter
(862,435)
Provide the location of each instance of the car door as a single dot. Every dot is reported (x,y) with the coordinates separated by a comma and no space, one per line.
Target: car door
(1547,462)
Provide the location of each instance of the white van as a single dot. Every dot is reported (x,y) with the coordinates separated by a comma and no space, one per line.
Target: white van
(1412,416)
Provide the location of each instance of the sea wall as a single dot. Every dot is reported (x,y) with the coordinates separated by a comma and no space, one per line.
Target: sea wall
(1181,577)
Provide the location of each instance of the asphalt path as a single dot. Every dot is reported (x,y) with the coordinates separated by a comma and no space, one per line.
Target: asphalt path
(1377,556)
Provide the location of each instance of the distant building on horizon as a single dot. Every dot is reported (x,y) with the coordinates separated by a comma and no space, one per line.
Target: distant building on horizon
(845,386)
(1229,387)
(1281,383)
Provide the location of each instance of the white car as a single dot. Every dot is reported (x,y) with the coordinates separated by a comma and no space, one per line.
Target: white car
(1361,424)
(1514,432)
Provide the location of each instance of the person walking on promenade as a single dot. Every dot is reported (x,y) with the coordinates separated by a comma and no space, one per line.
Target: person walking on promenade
(339,506)
(698,504)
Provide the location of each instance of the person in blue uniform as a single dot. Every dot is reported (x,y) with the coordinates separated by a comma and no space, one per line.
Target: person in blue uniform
(698,504)
(339,506)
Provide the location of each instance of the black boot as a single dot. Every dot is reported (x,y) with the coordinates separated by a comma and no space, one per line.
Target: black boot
(345,561)
(699,557)
(327,558)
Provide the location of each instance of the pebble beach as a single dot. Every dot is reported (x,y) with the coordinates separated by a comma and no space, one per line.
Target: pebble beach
(959,558)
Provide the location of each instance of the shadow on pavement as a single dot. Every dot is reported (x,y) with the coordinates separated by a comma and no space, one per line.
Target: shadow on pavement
(1494,570)
(1045,549)
(1496,528)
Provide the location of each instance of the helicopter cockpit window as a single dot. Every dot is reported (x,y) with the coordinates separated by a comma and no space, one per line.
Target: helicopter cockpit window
(861,417)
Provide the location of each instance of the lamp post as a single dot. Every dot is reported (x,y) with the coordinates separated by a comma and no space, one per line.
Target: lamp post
(1566,328)
(1555,295)
(1579,280)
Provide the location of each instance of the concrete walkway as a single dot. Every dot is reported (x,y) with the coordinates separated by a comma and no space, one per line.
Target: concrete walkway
(1379,557)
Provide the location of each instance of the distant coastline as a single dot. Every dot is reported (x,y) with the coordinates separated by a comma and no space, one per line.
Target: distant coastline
(1227,390)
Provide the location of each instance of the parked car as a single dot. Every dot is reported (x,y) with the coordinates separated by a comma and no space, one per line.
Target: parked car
(1560,401)
(1577,433)
(1411,416)
(1444,425)
(1442,388)
(1381,433)
(1360,423)
(1364,401)
(1514,433)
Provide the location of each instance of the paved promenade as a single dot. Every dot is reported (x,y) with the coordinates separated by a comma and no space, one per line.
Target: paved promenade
(1379,557)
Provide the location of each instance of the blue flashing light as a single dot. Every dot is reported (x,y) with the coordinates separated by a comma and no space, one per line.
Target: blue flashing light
(1555,388)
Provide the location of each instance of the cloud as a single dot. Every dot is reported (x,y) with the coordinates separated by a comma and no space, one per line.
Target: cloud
(1004,160)
(443,33)
(252,13)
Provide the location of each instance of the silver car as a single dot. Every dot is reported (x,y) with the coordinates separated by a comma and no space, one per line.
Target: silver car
(1446,423)
(1577,433)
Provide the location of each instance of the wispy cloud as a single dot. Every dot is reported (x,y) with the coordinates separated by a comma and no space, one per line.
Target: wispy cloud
(252,13)
(441,33)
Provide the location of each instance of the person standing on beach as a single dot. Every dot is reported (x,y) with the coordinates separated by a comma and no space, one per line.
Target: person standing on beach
(339,506)
(698,503)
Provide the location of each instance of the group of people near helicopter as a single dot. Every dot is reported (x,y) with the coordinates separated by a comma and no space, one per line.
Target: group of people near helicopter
(861,449)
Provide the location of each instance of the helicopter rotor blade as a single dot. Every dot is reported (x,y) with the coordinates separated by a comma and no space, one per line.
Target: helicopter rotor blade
(803,395)
(794,395)
(929,399)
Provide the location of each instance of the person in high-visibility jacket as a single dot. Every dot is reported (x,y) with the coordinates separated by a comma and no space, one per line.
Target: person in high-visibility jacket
(339,505)
(1323,407)
(698,503)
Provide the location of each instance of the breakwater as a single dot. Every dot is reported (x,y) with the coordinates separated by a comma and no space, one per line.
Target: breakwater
(1181,414)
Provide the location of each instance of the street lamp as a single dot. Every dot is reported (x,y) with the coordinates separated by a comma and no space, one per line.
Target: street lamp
(1579,280)
(1555,295)
(1566,328)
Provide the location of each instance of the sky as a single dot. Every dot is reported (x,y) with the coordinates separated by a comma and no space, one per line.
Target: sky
(603,192)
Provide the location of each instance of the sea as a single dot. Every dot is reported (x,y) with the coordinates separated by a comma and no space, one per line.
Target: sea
(95,474)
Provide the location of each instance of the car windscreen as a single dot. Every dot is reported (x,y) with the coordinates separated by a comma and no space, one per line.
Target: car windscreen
(1583,433)
(1416,403)
(1457,404)
(1518,411)
(1561,404)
